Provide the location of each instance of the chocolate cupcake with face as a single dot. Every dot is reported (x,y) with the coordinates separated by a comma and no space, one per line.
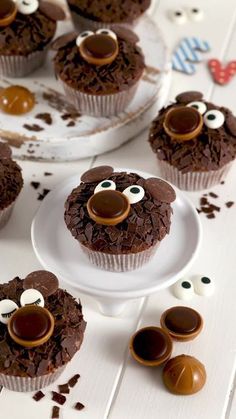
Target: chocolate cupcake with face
(99,71)
(119,218)
(97,14)
(26,30)
(11,183)
(195,142)
(41,329)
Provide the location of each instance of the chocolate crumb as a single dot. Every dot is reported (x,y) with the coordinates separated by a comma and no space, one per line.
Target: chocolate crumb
(38,396)
(55,412)
(213,195)
(198,210)
(35,184)
(33,127)
(64,388)
(48,174)
(45,117)
(203,201)
(222,182)
(79,406)
(229,204)
(42,195)
(212,215)
(71,124)
(73,381)
(58,398)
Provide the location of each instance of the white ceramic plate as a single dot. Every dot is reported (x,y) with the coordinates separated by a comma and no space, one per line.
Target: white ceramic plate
(60,253)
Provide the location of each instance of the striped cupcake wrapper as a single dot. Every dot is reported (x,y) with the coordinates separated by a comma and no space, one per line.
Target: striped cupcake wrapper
(24,384)
(99,105)
(120,262)
(193,181)
(5,214)
(82,23)
(20,66)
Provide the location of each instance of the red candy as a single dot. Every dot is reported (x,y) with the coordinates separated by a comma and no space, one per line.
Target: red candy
(222,75)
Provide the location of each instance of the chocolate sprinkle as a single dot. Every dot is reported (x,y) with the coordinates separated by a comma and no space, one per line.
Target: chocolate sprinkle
(45,117)
(213,195)
(64,388)
(48,174)
(42,195)
(35,184)
(74,380)
(38,396)
(55,412)
(33,127)
(229,204)
(79,406)
(58,398)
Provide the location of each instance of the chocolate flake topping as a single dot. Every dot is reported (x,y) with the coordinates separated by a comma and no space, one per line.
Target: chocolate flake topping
(58,398)
(64,388)
(74,380)
(35,184)
(55,412)
(229,204)
(38,396)
(42,195)
(79,406)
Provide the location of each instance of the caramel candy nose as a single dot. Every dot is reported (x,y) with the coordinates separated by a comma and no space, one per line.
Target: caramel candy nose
(31,326)
(99,49)
(108,207)
(183,123)
(16,100)
(8,12)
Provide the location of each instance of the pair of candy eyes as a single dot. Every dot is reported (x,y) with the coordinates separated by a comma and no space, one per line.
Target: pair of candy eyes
(180,16)
(212,119)
(201,285)
(28,297)
(134,193)
(26,7)
(86,34)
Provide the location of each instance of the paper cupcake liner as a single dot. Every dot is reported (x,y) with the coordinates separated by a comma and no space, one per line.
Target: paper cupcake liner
(30,384)
(20,66)
(82,23)
(99,105)
(119,262)
(5,214)
(193,181)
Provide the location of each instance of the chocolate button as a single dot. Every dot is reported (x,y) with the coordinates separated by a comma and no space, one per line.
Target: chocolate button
(160,190)
(97,174)
(52,10)
(5,151)
(108,207)
(16,100)
(183,123)
(99,49)
(44,281)
(8,11)
(187,97)
(182,323)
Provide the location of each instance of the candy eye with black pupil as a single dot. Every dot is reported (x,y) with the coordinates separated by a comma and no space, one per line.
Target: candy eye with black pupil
(27,7)
(31,297)
(203,285)
(107,32)
(195,14)
(134,193)
(183,290)
(214,119)
(200,106)
(7,308)
(105,185)
(178,16)
(82,37)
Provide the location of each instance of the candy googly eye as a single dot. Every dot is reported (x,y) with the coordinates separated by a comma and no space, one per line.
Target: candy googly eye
(183,290)
(203,285)
(107,32)
(195,14)
(31,297)
(27,7)
(105,185)
(178,16)
(200,106)
(82,37)
(7,308)
(134,193)
(214,119)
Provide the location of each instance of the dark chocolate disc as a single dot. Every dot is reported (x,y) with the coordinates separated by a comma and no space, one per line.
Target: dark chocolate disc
(30,323)
(182,320)
(52,10)
(231,124)
(182,120)
(97,174)
(63,40)
(150,344)
(126,34)
(108,204)
(187,97)
(160,190)
(44,281)
(99,46)
(5,151)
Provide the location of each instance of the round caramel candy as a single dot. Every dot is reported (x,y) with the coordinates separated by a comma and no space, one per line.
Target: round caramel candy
(99,49)
(16,100)
(108,207)
(31,326)
(8,11)
(182,323)
(151,346)
(184,375)
(183,123)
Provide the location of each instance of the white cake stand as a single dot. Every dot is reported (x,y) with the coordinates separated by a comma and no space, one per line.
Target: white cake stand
(60,253)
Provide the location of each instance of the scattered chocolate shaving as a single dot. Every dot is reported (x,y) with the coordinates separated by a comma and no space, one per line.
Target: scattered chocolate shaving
(213,195)
(71,124)
(79,406)
(38,396)
(45,117)
(55,412)
(74,380)
(212,215)
(42,195)
(229,204)
(35,184)
(58,398)
(33,127)
(222,182)
(207,207)
(64,388)
(48,174)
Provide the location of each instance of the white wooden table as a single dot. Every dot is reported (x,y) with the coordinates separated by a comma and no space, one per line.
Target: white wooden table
(112,385)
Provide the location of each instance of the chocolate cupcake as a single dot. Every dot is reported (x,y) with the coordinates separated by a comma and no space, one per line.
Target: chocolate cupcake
(195,142)
(26,30)
(100,71)
(11,183)
(93,15)
(34,357)
(119,218)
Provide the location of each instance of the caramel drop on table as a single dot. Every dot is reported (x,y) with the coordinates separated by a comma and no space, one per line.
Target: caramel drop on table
(16,100)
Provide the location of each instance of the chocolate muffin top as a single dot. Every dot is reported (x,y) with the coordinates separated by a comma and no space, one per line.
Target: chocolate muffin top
(11,180)
(213,140)
(123,72)
(65,341)
(109,11)
(147,221)
(26,34)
